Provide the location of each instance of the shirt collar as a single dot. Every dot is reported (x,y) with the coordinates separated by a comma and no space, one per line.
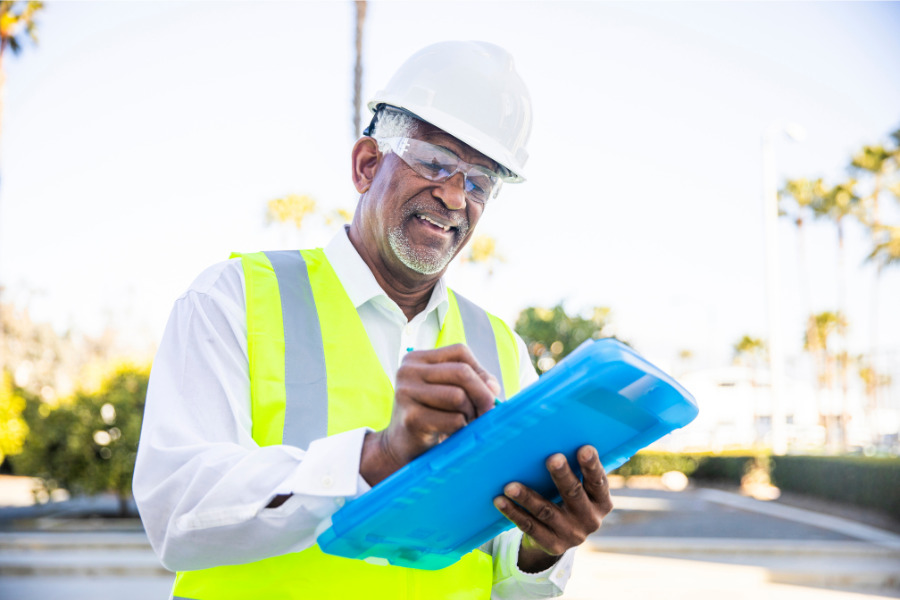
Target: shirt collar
(361,285)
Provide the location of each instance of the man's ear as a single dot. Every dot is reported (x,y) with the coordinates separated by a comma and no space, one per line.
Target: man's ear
(365,158)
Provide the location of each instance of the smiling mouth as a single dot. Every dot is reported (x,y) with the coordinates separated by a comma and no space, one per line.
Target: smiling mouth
(431,221)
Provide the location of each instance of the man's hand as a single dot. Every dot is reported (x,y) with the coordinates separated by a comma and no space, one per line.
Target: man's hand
(437,392)
(550,529)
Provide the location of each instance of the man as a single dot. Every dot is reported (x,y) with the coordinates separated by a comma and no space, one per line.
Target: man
(288,383)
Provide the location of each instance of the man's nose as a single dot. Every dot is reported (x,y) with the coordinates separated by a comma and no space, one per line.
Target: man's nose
(452,192)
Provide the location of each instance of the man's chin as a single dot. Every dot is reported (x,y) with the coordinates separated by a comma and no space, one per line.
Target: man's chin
(426,264)
(423,258)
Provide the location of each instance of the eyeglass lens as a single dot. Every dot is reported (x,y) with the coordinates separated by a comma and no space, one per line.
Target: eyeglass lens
(439,164)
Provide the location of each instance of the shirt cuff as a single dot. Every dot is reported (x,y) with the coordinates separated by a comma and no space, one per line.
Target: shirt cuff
(512,582)
(325,477)
(330,467)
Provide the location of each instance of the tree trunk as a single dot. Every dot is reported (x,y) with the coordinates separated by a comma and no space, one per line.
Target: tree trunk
(358,68)
(873,400)
(843,353)
(873,343)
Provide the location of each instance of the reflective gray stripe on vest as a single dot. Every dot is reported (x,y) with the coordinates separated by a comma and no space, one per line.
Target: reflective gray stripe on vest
(480,338)
(305,379)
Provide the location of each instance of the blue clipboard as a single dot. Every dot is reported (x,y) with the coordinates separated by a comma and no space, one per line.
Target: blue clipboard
(439,507)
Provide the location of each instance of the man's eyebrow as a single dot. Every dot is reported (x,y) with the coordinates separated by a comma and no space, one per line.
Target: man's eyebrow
(492,165)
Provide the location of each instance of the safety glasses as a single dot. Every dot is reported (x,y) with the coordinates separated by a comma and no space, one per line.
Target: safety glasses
(438,164)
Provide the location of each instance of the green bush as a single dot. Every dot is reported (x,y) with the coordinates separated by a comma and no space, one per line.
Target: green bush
(728,469)
(88,443)
(657,463)
(861,481)
(701,466)
(13,429)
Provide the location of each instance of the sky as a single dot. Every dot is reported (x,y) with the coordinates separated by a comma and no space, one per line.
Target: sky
(141,141)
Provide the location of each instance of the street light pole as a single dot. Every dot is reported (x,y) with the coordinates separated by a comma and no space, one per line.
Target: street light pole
(773,287)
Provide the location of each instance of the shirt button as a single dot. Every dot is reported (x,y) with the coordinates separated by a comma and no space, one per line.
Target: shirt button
(327,481)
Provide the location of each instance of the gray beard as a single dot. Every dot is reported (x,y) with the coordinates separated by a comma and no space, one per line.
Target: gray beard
(426,261)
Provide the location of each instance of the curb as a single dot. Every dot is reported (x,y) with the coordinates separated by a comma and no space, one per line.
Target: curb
(741,547)
(38,541)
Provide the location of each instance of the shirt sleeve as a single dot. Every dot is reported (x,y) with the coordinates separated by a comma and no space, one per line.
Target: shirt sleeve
(201,481)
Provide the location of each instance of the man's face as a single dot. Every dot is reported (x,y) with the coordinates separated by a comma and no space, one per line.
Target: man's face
(421,224)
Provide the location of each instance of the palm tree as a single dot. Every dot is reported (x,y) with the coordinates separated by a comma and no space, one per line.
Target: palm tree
(826,324)
(17,19)
(887,251)
(879,164)
(750,351)
(837,203)
(797,200)
(685,358)
(872,380)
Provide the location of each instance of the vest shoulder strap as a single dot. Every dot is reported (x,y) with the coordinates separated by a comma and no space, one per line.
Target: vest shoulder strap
(491,341)
(288,382)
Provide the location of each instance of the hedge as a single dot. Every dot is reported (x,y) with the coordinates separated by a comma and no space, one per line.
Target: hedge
(869,482)
(861,481)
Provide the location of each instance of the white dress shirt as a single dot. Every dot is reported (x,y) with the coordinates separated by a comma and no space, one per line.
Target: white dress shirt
(201,482)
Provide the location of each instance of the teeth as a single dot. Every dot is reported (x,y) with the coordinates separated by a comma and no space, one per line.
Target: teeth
(444,227)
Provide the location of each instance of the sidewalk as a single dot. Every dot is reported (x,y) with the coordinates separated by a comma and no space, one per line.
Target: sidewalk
(693,545)
(608,576)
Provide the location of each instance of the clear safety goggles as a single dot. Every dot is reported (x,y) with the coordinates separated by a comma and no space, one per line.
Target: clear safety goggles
(438,164)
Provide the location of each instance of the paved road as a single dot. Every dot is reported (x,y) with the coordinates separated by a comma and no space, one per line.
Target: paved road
(713,513)
(709,544)
(693,545)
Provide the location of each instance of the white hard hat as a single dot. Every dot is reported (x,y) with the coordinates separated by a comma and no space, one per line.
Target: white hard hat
(470,90)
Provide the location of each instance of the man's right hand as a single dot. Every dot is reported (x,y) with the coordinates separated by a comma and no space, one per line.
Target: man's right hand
(437,392)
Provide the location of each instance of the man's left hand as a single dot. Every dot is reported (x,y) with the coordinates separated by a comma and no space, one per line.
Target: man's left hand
(550,529)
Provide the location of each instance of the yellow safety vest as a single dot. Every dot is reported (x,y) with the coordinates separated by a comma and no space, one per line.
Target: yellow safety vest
(313,372)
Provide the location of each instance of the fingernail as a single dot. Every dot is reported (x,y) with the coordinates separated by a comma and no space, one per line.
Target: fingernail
(558,462)
(513,490)
(500,503)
